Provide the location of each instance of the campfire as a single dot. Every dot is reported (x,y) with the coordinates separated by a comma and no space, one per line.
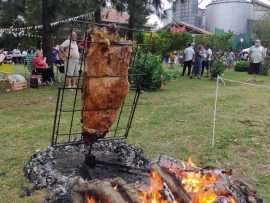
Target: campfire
(194,184)
(177,182)
(123,174)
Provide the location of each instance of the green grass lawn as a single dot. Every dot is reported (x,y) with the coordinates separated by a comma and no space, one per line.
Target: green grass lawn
(176,121)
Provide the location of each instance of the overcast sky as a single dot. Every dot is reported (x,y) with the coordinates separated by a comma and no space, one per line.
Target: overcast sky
(202,5)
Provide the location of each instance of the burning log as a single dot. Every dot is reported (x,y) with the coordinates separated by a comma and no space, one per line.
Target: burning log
(175,186)
(109,191)
(128,192)
(105,82)
(245,188)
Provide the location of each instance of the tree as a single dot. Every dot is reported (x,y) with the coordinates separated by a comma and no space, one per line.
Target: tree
(52,10)
(261,30)
(216,42)
(46,11)
(162,43)
(10,11)
(47,18)
(139,10)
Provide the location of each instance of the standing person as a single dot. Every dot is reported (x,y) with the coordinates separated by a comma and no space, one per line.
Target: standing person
(16,56)
(210,59)
(204,61)
(28,59)
(24,54)
(256,57)
(2,56)
(172,59)
(189,55)
(199,57)
(230,59)
(71,59)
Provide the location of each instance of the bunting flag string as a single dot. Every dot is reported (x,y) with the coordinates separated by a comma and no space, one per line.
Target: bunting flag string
(20,30)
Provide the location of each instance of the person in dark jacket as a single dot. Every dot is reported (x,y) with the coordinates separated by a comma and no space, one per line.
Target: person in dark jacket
(199,57)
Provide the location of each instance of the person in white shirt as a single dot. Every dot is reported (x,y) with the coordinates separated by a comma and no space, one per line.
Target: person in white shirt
(210,59)
(189,55)
(16,56)
(204,60)
(2,56)
(256,56)
(71,59)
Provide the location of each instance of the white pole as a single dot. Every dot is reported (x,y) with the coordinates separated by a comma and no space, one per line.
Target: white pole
(215,112)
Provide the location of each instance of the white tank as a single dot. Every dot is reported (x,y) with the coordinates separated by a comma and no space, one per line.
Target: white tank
(229,15)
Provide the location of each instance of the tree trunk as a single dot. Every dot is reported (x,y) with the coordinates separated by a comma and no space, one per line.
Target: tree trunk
(47,32)
(98,14)
(130,26)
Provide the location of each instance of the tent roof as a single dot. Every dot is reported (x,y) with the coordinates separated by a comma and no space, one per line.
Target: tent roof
(190,28)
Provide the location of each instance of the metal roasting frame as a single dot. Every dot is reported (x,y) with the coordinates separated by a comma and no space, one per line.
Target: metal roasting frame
(75,138)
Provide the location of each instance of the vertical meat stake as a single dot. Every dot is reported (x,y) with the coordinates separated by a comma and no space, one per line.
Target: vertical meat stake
(105,82)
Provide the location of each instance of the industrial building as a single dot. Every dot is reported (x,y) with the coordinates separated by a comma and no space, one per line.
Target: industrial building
(220,15)
(186,11)
(234,15)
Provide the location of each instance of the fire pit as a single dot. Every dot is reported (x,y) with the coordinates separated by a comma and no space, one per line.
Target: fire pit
(56,168)
(126,175)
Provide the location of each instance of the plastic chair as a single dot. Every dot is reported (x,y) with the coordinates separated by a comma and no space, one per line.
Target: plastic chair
(6,68)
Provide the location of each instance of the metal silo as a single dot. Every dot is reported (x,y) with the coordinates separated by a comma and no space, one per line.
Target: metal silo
(186,10)
(229,15)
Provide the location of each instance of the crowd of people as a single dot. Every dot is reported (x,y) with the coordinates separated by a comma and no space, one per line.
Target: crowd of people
(198,60)
(15,56)
(37,64)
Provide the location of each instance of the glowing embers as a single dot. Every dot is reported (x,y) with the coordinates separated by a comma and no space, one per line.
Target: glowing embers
(181,183)
(203,186)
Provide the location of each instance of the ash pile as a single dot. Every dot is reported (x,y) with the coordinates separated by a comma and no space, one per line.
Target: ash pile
(56,168)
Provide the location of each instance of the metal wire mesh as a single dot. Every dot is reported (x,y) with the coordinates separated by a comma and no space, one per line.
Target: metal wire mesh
(67,125)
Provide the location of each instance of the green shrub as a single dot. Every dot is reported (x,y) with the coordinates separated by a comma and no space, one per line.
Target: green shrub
(241,66)
(218,68)
(171,73)
(265,67)
(162,43)
(152,70)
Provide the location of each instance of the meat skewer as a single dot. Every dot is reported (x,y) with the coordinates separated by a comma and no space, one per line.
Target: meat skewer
(105,82)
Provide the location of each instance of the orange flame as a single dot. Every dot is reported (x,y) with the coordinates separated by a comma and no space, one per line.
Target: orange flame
(89,199)
(232,200)
(153,194)
(191,163)
(208,196)
(194,181)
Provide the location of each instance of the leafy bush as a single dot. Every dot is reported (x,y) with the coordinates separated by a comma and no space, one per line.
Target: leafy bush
(216,41)
(162,43)
(218,68)
(241,66)
(171,74)
(151,68)
(265,67)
